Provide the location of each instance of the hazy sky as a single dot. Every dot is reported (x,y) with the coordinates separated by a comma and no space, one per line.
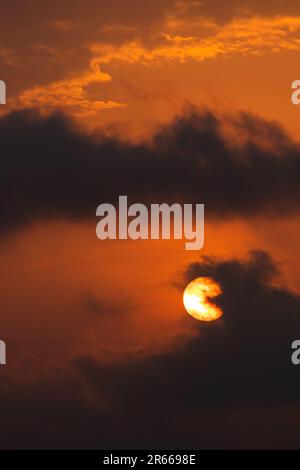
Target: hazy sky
(186,101)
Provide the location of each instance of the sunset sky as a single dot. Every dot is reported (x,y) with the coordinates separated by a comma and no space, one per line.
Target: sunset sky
(164,101)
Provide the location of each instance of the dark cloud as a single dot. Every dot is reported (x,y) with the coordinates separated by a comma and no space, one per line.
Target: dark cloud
(51,170)
(241,362)
(232,386)
(249,346)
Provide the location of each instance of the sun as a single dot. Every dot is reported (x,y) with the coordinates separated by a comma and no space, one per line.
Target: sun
(196,299)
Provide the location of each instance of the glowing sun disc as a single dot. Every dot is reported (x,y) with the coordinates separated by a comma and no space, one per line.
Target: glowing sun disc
(196,299)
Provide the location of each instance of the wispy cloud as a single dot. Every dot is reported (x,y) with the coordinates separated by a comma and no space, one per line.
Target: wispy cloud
(70,93)
(178,40)
(251,36)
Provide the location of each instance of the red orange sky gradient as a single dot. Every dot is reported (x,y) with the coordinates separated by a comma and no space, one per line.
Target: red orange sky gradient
(124,69)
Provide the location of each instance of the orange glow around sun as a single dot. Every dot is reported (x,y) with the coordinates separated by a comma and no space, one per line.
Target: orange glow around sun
(196,299)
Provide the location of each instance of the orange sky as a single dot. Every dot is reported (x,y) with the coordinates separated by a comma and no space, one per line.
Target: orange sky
(57,279)
(125,68)
(134,73)
(112,66)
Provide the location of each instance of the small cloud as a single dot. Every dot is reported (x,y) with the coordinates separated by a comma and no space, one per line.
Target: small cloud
(64,26)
